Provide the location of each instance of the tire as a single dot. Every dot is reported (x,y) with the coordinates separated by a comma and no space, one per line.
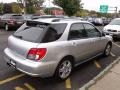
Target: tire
(107,49)
(64,69)
(6,27)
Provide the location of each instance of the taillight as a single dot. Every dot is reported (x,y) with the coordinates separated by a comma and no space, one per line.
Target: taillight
(11,21)
(36,53)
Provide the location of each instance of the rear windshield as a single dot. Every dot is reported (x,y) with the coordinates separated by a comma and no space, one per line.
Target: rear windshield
(40,32)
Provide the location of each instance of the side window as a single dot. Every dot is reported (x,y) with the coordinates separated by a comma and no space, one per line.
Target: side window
(91,31)
(54,32)
(77,32)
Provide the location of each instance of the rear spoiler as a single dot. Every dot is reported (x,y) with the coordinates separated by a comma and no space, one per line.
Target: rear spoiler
(36,23)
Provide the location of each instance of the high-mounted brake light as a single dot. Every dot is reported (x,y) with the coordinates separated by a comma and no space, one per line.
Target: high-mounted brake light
(36,53)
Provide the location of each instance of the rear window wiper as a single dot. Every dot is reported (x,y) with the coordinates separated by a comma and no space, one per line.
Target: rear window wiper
(20,37)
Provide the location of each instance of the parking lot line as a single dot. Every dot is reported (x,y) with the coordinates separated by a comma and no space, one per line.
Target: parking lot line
(68,83)
(112,54)
(97,64)
(11,79)
(116,45)
(19,88)
(29,86)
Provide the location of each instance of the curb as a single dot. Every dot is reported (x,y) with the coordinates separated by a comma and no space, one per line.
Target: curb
(99,76)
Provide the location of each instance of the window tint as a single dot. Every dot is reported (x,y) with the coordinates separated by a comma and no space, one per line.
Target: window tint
(77,31)
(54,32)
(29,33)
(91,31)
(40,32)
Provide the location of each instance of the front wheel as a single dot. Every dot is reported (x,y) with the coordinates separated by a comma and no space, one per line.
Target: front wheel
(64,69)
(6,27)
(107,50)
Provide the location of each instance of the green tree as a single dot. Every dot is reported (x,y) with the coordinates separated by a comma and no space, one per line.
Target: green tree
(7,8)
(1,8)
(70,7)
(30,9)
(16,8)
(31,5)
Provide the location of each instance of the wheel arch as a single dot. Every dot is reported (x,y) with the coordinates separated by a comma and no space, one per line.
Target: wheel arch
(110,43)
(70,57)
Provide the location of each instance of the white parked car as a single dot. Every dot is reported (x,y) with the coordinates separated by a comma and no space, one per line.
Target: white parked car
(113,28)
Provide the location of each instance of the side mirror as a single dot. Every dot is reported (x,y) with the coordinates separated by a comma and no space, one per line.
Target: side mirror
(103,34)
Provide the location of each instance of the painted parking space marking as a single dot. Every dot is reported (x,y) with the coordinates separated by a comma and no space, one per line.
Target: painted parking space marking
(26,87)
(29,86)
(116,45)
(97,64)
(19,88)
(68,83)
(11,79)
(112,54)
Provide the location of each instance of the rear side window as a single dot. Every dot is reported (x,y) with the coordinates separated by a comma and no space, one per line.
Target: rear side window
(54,32)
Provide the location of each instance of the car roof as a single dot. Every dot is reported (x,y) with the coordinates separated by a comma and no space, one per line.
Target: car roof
(60,20)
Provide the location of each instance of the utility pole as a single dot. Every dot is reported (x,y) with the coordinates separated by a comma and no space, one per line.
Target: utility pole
(116,8)
(24,4)
(49,8)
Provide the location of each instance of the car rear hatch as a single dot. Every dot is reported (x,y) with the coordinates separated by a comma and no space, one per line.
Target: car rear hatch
(25,38)
(20,47)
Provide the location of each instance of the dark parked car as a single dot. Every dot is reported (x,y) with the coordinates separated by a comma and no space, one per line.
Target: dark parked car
(11,20)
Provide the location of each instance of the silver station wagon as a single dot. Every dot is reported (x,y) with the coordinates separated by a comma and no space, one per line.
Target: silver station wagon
(53,47)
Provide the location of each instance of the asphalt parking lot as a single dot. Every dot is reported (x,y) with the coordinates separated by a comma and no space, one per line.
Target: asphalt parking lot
(10,79)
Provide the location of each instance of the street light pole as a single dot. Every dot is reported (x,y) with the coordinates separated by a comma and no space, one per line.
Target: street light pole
(116,8)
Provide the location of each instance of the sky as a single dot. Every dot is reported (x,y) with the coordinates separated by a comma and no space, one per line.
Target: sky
(88,4)
(95,4)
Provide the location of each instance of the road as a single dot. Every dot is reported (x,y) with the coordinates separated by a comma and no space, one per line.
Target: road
(10,79)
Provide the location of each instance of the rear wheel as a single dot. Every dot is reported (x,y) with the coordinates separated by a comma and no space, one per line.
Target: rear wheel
(64,69)
(107,50)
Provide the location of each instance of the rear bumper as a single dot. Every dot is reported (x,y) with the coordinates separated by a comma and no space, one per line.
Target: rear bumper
(32,68)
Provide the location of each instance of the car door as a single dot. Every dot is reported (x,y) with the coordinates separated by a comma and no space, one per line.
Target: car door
(98,41)
(80,45)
